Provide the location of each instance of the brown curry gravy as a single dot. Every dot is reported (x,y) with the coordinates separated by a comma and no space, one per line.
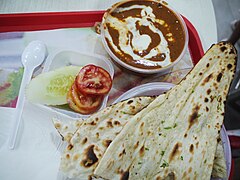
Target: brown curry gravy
(161,12)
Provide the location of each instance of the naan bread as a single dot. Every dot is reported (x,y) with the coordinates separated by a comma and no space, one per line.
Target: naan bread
(175,137)
(95,134)
(67,128)
(219,166)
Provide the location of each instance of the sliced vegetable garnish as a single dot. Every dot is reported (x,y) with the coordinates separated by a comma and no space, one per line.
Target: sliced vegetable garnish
(87,103)
(51,88)
(93,80)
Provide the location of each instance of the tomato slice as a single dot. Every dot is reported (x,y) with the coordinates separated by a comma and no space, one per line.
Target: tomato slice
(87,102)
(71,103)
(93,80)
(84,104)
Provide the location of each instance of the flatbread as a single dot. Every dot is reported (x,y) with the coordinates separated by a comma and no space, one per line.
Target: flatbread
(67,128)
(219,166)
(95,134)
(176,137)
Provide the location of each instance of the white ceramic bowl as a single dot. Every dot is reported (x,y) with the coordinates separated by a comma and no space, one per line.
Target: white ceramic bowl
(137,69)
(63,58)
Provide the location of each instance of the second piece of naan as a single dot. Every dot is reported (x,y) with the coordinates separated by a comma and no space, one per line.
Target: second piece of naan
(176,136)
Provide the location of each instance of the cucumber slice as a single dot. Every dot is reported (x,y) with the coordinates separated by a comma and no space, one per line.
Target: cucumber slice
(51,88)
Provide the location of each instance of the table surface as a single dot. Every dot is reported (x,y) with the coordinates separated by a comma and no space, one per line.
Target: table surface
(23,163)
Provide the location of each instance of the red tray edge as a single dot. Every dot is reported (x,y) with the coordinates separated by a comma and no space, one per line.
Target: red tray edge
(56,20)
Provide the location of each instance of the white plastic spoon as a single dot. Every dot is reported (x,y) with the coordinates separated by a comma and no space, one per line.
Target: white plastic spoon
(33,55)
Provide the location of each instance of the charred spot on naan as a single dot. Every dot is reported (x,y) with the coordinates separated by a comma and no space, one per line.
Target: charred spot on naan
(175,152)
(169,176)
(194,116)
(218,126)
(142,150)
(84,140)
(219,98)
(212,98)
(209,91)
(125,175)
(90,157)
(191,149)
(70,146)
(197,143)
(67,156)
(107,142)
(223,48)
(232,51)
(109,123)
(219,77)
(207,79)
(206,100)
(116,123)
(136,145)
(130,101)
(122,153)
(97,135)
(93,123)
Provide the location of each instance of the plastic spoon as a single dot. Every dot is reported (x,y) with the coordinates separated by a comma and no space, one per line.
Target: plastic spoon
(33,55)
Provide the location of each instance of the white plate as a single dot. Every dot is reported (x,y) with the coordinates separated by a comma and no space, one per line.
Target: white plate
(149,89)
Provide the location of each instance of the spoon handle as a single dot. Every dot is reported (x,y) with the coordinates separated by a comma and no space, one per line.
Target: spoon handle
(19,109)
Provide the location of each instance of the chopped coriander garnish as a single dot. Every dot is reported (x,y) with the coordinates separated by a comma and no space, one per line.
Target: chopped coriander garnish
(162,153)
(167,128)
(124,112)
(219,107)
(162,121)
(139,162)
(181,158)
(175,125)
(193,91)
(198,115)
(205,161)
(164,164)
(146,149)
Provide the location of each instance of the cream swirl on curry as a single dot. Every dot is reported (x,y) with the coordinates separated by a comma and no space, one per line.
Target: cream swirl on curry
(144,34)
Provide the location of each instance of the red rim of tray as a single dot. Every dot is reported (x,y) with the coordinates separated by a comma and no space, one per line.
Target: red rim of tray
(56,20)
